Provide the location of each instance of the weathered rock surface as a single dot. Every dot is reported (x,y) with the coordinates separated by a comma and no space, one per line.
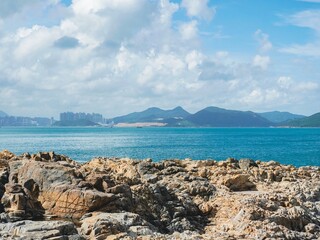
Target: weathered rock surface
(110,198)
(28,230)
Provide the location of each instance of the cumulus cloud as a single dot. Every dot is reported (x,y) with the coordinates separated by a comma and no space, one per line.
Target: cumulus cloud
(261,61)
(194,59)
(199,9)
(94,59)
(189,30)
(285,82)
(263,40)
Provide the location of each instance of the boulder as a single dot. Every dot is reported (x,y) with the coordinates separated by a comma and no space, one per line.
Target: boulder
(245,163)
(240,182)
(103,225)
(72,202)
(29,230)
(6,155)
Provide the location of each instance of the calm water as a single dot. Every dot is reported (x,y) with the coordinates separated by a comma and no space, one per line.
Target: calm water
(290,146)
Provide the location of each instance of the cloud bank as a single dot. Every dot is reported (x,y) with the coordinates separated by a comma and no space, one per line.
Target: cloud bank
(118,56)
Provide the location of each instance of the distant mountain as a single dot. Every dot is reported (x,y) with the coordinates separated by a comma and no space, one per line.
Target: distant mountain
(219,117)
(3,114)
(312,121)
(152,115)
(278,117)
(75,123)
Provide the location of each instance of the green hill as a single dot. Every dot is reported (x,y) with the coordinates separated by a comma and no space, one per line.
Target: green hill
(311,121)
(152,115)
(278,117)
(219,117)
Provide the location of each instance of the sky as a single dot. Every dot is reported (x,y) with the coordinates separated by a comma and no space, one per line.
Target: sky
(119,56)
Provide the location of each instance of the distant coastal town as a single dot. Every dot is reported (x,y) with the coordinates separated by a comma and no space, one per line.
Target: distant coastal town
(65,117)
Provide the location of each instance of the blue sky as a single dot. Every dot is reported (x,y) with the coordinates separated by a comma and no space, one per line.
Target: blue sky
(119,56)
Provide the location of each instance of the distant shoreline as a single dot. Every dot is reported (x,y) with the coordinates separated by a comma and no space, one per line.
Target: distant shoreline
(156,125)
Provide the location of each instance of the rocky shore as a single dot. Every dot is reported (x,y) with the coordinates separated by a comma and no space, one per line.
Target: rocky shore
(50,196)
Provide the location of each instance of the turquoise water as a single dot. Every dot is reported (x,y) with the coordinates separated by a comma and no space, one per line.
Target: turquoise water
(295,146)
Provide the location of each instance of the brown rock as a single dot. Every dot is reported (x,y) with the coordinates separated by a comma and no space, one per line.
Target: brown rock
(239,182)
(68,201)
(174,199)
(6,155)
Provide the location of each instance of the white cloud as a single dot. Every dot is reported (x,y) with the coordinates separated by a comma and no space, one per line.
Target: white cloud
(285,82)
(263,40)
(222,54)
(261,61)
(194,59)
(306,19)
(253,97)
(95,59)
(167,9)
(199,9)
(189,30)
(306,87)
(310,49)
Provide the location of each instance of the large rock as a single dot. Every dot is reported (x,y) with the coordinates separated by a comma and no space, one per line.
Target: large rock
(72,202)
(173,199)
(6,155)
(246,164)
(31,230)
(240,182)
(103,225)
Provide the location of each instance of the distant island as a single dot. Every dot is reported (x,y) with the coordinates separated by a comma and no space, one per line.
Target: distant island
(176,117)
(215,117)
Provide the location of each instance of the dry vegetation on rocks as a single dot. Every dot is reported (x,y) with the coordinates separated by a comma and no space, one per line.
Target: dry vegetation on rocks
(49,196)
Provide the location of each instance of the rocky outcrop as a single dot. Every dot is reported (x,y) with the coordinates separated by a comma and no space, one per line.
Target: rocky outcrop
(29,230)
(111,198)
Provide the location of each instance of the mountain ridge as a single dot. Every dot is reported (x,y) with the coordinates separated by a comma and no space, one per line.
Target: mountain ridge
(279,117)
(211,116)
(152,114)
(219,117)
(311,121)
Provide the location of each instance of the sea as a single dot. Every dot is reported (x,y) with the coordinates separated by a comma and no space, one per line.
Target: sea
(295,146)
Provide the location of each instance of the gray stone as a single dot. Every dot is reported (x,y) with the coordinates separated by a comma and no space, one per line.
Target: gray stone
(245,164)
(39,230)
(102,225)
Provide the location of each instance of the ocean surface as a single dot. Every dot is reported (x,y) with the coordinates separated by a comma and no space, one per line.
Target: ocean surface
(296,146)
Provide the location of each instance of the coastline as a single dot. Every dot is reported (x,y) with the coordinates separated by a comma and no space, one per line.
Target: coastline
(118,198)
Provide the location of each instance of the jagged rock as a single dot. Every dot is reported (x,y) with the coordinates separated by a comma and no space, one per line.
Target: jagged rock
(72,202)
(173,199)
(6,155)
(30,230)
(240,182)
(103,225)
(245,164)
